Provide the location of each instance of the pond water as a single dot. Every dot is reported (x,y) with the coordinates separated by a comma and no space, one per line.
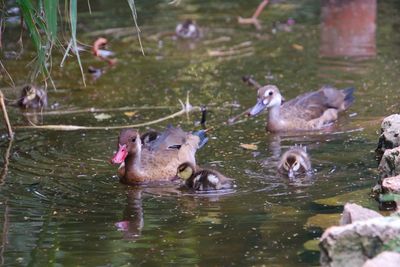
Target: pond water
(60,200)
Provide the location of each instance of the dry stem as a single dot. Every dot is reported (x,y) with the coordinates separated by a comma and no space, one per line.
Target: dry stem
(5,115)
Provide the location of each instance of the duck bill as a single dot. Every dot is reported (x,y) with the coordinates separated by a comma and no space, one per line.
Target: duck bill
(260,106)
(291,174)
(120,156)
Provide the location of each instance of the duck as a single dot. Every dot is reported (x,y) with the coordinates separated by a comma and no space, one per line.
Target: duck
(187,30)
(307,112)
(155,157)
(32,97)
(202,180)
(295,162)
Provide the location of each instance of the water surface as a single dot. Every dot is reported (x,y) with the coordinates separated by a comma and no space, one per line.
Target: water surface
(62,204)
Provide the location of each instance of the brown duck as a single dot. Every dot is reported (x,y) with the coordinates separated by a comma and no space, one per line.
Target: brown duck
(158,159)
(309,111)
(295,162)
(202,180)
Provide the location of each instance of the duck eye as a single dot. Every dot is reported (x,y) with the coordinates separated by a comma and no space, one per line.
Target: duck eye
(270,93)
(134,139)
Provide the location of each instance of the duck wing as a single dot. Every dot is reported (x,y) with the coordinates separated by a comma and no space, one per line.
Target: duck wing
(171,137)
(312,105)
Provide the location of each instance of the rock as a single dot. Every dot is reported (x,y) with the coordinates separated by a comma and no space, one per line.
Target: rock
(387,259)
(390,163)
(391,185)
(390,134)
(353,244)
(353,212)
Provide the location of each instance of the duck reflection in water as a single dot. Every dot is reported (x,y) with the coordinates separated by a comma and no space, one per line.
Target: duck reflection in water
(132,223)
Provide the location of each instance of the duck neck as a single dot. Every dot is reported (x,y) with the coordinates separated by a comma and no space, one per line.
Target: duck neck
(274,119)
(132,163)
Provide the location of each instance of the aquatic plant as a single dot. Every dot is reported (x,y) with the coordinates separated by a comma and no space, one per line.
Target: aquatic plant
(41,19)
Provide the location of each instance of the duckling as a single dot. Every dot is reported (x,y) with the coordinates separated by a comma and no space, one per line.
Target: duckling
(202,180)
(32,98)
(156,160)
(309,111)
(187,30)
(295,162)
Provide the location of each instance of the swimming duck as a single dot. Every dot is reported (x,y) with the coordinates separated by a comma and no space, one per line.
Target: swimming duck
(158,159)
(187,30)
(202,180)
(295,162)
(32,98)
(309,111)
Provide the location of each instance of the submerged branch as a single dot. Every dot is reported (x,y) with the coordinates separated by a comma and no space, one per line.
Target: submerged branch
(95,110)
(186,108)
(5,115)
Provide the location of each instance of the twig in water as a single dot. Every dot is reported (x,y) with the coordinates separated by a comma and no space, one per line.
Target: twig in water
(95,110)
(203,110)
(6,157)
(186,108)
(5,115)
(233,119)
(4,240)
(248,79)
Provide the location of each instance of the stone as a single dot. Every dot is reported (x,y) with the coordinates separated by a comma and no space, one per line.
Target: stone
(353,244)
(391,185)
(390,134)
(390,163)
(353,213)
(386,258)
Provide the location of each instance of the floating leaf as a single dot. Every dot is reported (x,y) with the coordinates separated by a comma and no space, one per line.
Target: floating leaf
(249,146)
(102,116)
(130,113)
(298,47)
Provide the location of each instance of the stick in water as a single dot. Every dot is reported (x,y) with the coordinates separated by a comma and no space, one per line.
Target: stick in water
(5,115)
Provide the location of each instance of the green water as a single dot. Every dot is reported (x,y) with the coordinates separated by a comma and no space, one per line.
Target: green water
(61,203)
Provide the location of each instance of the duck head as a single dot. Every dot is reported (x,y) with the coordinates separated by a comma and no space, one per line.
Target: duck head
(185,171)
(296,162)
(32,97)
(128,143)
(187,29)
(267,96)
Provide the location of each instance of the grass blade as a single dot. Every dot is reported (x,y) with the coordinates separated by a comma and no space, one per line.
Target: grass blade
(73,13)
(50,9)
(134,15)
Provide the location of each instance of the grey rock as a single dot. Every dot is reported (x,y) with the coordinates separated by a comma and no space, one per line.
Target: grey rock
(353,212)
(353,244)
(390,163)
(386,259)
(391,185)
(390,133)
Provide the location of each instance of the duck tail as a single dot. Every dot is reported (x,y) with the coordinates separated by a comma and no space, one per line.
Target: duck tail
(202,134)
(348,96)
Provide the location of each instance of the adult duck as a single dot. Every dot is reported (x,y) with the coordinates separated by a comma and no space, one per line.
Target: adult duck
(203,180)
(307,112)
(158,159)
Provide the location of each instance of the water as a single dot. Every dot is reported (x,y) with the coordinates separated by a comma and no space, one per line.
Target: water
(62,204)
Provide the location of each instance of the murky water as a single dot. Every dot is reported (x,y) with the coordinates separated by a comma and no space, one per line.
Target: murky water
(62,204)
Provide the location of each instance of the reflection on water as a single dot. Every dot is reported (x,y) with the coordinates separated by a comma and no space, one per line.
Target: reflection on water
(62,203)
(348,28)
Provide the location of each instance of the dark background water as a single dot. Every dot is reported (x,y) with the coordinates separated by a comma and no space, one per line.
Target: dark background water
(61,202)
